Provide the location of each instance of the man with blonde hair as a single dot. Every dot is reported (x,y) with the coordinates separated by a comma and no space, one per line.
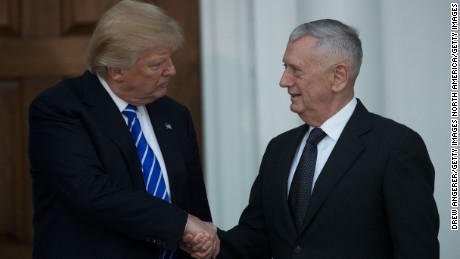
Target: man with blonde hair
(115,164)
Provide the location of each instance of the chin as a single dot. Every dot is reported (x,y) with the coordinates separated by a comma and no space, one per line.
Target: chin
(160,94)
(163,92)
(294,108)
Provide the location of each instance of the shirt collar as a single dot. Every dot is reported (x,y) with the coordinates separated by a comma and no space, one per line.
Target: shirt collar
(121,104)
(335,124)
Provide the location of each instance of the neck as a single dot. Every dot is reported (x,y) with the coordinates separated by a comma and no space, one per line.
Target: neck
(317,118)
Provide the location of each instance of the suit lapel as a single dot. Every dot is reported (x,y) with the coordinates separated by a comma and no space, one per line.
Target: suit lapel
(172,155)
(110,120)
(346,151)
(282,170)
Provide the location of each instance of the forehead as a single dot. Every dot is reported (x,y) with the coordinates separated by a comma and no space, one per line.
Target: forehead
(300,52)
(157,52)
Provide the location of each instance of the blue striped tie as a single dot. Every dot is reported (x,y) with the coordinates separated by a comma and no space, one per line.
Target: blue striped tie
(151,169)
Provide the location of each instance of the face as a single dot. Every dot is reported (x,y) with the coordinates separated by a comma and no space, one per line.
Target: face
(308,80)
(147,79)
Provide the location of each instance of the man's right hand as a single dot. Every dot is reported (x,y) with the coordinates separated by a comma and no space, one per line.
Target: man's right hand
(200,239)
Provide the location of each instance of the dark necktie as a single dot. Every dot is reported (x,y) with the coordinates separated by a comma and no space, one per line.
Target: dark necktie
(301,186)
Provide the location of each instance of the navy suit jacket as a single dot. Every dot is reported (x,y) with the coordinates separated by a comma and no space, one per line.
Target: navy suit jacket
(89,197)
(373,199)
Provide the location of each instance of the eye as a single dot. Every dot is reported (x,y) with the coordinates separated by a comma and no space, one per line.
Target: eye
(292,68)
(157,64)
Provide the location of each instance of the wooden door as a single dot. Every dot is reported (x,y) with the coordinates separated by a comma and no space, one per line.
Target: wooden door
(42,42)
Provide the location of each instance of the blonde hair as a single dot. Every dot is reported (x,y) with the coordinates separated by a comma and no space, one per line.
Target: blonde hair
(128,30)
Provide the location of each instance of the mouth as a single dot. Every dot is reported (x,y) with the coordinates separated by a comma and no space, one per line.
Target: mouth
(293,96)
(164,85)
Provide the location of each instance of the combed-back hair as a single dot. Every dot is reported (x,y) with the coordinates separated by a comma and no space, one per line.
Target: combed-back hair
(128,30)
(334,38)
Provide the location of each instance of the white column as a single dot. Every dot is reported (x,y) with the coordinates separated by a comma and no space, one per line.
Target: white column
(273,22)
(242,47)
(230,121)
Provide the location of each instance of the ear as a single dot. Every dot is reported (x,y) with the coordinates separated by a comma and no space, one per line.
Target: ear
(115,73)
(340,76)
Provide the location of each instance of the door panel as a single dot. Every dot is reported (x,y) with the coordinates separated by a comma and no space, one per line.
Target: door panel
(41,43)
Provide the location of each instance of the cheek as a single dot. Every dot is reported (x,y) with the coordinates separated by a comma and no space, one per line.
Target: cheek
(152,78)
(315,87)
(306,88)
(312,94)
(156,74)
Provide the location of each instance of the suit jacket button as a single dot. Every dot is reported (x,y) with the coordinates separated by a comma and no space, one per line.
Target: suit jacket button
(298,249)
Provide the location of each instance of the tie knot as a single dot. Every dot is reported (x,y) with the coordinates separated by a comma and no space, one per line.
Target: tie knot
(316,135)
(130,111)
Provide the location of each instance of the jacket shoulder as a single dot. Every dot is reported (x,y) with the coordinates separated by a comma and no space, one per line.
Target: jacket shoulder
(168,106)
(65,90)
(389,127)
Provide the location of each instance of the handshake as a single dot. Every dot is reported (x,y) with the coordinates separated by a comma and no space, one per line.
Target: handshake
(200,239)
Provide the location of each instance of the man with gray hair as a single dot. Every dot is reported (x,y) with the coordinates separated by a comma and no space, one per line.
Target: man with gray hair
(346,184)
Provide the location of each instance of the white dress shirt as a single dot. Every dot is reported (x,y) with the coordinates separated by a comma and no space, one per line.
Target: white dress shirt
(333,127)
(146,126)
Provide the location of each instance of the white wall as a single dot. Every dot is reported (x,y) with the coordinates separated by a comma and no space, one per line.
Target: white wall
(404,76)
(416,66)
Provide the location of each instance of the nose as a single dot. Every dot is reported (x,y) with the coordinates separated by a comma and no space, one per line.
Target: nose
(285,80)
(170,70)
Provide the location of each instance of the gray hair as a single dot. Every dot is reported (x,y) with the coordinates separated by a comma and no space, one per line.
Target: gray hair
(334,38)
(128,30)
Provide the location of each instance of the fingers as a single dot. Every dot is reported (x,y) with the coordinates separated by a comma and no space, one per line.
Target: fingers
(200,239)
(216,248)
(201,246)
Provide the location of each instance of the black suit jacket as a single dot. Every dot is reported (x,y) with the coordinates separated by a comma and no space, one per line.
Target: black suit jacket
(373,199)
(89,197)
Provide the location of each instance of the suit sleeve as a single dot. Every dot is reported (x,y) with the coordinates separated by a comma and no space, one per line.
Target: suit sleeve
(196,193)
(408,192)
(249,238)
(66,169)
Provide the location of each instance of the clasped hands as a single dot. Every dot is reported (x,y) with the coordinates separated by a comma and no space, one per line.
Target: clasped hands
(200,239)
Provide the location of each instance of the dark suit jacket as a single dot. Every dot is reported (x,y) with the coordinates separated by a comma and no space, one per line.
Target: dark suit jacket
(89,196)
(373,199)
